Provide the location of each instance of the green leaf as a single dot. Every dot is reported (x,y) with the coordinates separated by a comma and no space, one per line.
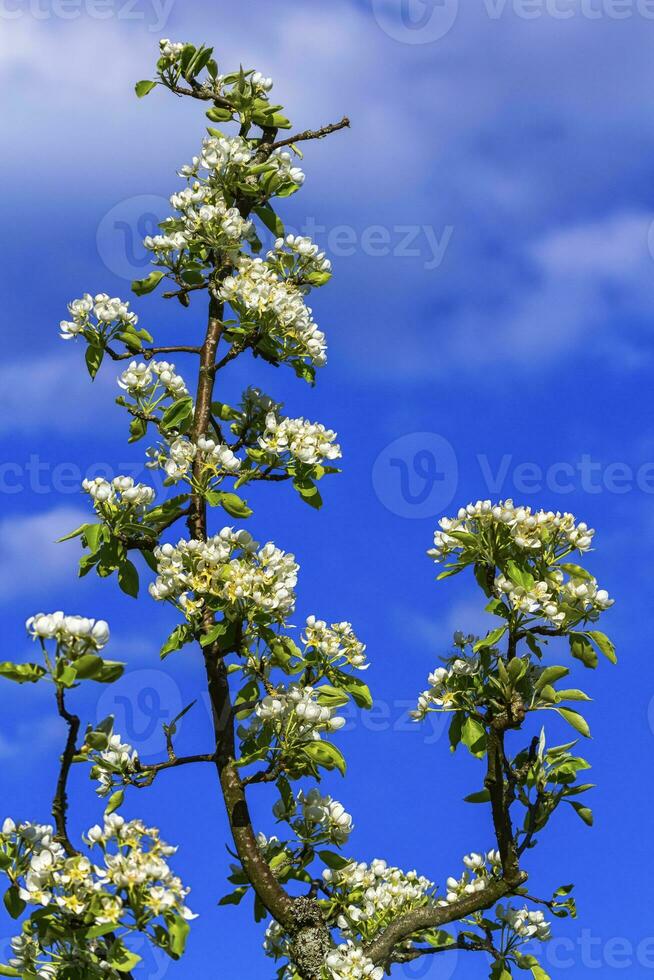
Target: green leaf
(491,638)
(179,637)
(581,649)
(8,971)
(128,578)
(576,571)
(519,575)
(550,675)
(93,668)
(144,88)
(473,736)
(271,220)
(178,930)
(308,491)
(539,974)
(22,673)
(137,429)
(326,755)
(604,645)
(438,937)
(94,356)
(74,534)
(178,415)
(360,692)
(218,114)
(577,721)
(572,694)
(334,861)
(93,535)
(584,812)
(234,506)
(115,800)
(121,958)
(235,897)
(483,796)
(172,727)
(249,692)
(13,902)
(523,961)
(144,286)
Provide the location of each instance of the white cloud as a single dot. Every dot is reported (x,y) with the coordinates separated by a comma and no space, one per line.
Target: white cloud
(31,561)
(434,636)
(31,738)
(53,394)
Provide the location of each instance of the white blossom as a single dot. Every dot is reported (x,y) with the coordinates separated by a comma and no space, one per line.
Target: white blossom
(76,634)
(230,567)
(97,314)
(527,924)
(336,643)
(305,442)
(349,962)
(278,305)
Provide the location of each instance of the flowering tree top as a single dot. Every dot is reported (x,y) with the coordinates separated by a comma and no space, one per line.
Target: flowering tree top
(276,693)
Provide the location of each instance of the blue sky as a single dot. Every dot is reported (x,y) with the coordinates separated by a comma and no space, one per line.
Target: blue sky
(489,219)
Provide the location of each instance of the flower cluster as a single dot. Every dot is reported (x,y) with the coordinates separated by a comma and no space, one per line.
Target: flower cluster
(316,818)
(288,440)
(230,571)
(296,712)
(170,50)
(554,598)
(93,315)
(525,923)
(440,694)
(113,765)
(122,492)
(530,550)
(282,163)
(277,307)
(75,635)
(177,458)
(349,962)
(299,258)
(153,381)
(480,869)
(130,878)
(371,895)
(253,411)
(529,531)
(336,644)
(205,221)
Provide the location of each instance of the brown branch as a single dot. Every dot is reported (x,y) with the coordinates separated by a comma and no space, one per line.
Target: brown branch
(380,950)
(147,353)
(201,93)
(308,134)
(60,801)
(484,946)
(175,762)
(264,882)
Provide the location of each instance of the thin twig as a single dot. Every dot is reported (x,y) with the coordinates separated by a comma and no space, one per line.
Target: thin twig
(308,134)
(60,801)
(147,353)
